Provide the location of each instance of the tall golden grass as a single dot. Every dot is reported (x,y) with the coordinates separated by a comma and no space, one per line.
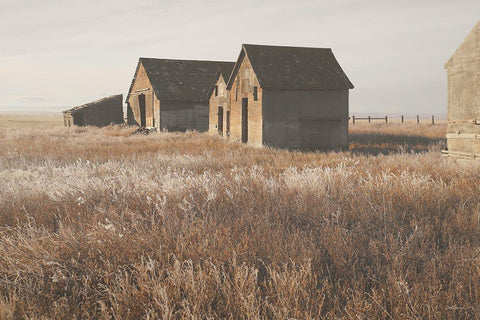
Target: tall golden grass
(97,223)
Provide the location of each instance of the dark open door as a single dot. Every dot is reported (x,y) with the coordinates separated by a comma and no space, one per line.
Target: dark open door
(143,116)
(228,123)
(245,120)
(220,120)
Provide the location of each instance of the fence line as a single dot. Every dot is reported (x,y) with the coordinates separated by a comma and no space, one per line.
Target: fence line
(402,119)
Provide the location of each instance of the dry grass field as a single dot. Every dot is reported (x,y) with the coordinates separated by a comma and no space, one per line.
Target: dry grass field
(101,224)
(31,120)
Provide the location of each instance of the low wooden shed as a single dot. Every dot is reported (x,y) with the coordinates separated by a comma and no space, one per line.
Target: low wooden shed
(463,69)
(171,94)
(288,97)
(98,113)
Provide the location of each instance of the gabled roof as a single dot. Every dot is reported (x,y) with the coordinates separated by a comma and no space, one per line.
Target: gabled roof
(469,44)
(84,106)
(224,71)
(293,68)
(180,80)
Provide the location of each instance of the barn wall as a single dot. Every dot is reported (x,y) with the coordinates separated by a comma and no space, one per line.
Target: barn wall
(67,119)
(222,100)
(140,86)
(184,115)
(104,112)
(242,87)
(464,96)
(306,119)
(98,113)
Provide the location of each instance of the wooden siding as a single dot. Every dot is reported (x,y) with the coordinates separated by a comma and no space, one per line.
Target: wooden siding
(143,86)
(68,119)
(242,87)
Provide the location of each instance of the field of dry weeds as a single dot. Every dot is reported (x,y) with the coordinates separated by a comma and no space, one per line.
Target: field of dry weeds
(98,223)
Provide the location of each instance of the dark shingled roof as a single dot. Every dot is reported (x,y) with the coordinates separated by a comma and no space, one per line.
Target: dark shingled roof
(294,68)
(181,80)
(224,70)
(83,106)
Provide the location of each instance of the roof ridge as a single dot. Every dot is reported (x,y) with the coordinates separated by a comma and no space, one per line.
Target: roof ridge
(290,47)
(185,60)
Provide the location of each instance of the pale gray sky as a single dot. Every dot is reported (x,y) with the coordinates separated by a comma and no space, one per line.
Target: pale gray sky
(65,53)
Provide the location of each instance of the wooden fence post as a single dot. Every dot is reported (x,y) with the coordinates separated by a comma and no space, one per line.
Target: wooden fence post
(402,118)
(353,119)
(386,119)
(433,120)
(368,119)
(418,119)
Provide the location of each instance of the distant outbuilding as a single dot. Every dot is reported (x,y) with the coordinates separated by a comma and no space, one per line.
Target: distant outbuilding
(463,69)
(219,101)
(287,97)
(99,113)
(171,94)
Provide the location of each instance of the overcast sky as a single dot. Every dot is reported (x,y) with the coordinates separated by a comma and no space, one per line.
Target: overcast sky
(65,53)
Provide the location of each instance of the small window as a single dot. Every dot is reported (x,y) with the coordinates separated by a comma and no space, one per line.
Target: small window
(178,63)
(255,94)
(216,91)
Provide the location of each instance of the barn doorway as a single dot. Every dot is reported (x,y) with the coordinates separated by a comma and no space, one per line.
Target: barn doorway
(244,120)
(220,121)
(143,116)
(228,123)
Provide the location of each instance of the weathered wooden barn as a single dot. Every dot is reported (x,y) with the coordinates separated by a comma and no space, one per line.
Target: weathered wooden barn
(463,69)
(219,118)
(98,113)
(171,94)
(288,97)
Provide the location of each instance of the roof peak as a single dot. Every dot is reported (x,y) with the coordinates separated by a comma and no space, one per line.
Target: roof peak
(469,38)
